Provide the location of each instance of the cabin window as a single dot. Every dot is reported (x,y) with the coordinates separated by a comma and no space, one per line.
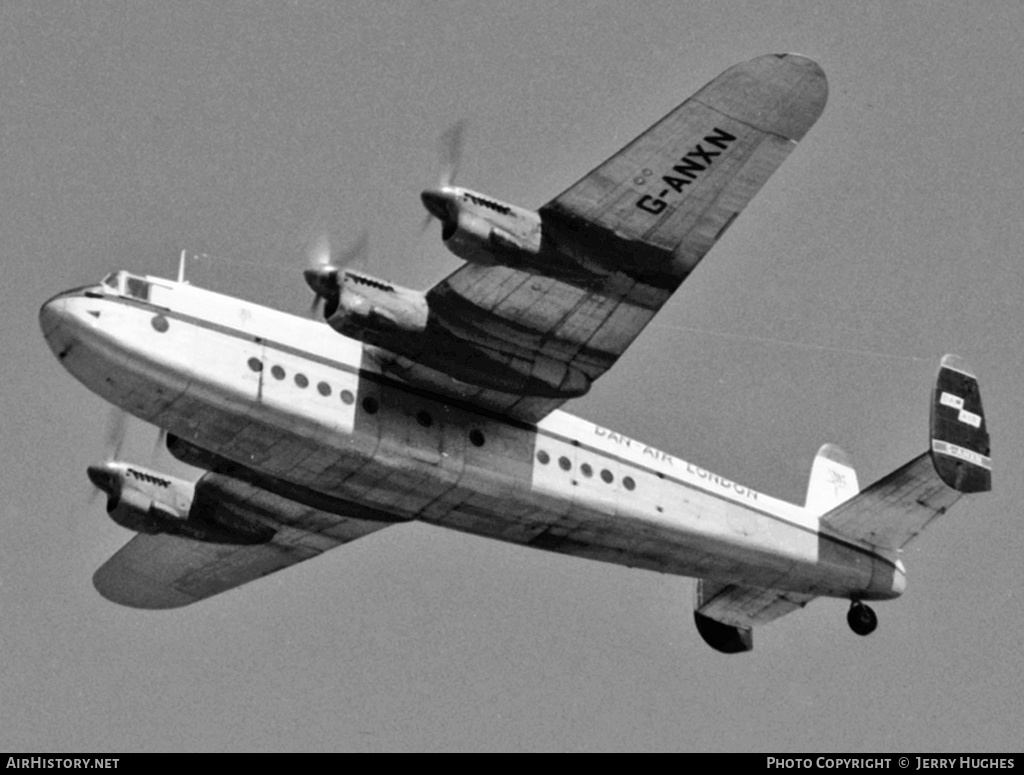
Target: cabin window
(628,483)
(278,372)
(587,470)
(256,364)
(543,458)
(424,419)
(370,405)
(301,380)
(564,463)
(323,388)
(607,476)
(476,437)
(347,397)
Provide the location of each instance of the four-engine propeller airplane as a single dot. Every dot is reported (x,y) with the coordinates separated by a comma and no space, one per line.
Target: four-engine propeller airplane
(443,406)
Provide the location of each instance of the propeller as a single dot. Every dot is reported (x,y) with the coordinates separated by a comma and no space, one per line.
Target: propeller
(449,151)
(114,438)
(113,443)
(161,442)
(323,274)
(117,429)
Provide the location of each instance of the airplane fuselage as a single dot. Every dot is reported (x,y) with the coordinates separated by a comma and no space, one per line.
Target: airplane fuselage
(294,401)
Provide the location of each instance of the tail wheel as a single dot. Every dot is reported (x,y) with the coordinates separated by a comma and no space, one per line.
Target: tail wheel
(861,618)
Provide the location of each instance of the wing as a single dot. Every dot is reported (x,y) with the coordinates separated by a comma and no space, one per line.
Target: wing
(168,571)
(679,185)
(615,245)
(726,613)
(896,508)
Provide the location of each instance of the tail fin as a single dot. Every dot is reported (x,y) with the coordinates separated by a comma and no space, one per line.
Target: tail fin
(960,444)
(897,507)
(832,481)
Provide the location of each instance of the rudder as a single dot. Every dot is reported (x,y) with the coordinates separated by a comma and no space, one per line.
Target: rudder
(960,442)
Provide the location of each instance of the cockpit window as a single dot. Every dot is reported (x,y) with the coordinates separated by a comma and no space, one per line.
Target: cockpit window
(137,288)
(125,284)
(113,281)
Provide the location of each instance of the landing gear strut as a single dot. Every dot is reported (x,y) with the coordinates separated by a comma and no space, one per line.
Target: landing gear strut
(861,618)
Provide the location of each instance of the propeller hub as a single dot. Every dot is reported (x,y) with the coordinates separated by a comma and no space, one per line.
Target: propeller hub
(322,280)
(104,476)
(438,202)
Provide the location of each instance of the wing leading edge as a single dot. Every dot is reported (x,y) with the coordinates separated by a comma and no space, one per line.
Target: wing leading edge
(616,244)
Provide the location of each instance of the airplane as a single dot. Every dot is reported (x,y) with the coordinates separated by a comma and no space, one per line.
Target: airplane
(443,405)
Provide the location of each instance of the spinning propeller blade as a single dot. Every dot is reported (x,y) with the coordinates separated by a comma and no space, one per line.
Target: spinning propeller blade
(449,150)
(325,267)
(117,428)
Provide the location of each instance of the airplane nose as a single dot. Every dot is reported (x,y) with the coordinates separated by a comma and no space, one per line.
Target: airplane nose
(67,320)
(55,319)
(50,315)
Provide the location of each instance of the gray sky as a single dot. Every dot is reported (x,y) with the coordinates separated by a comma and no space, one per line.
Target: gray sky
(891,236)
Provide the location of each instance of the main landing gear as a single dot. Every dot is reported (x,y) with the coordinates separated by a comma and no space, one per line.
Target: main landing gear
(861,618)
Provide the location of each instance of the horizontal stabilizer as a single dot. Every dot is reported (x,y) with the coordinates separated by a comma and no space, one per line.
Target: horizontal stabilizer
(896,508)
(726,613)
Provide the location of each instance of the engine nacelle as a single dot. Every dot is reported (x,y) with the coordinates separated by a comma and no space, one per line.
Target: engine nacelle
(373,311)
(483,231)
(137,511)
(142,500)
(150,502)
(469,237)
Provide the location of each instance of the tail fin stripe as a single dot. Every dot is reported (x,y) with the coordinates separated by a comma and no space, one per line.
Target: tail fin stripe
(945,448)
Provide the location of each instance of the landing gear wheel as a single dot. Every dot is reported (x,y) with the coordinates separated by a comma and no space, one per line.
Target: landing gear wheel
(861,618)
